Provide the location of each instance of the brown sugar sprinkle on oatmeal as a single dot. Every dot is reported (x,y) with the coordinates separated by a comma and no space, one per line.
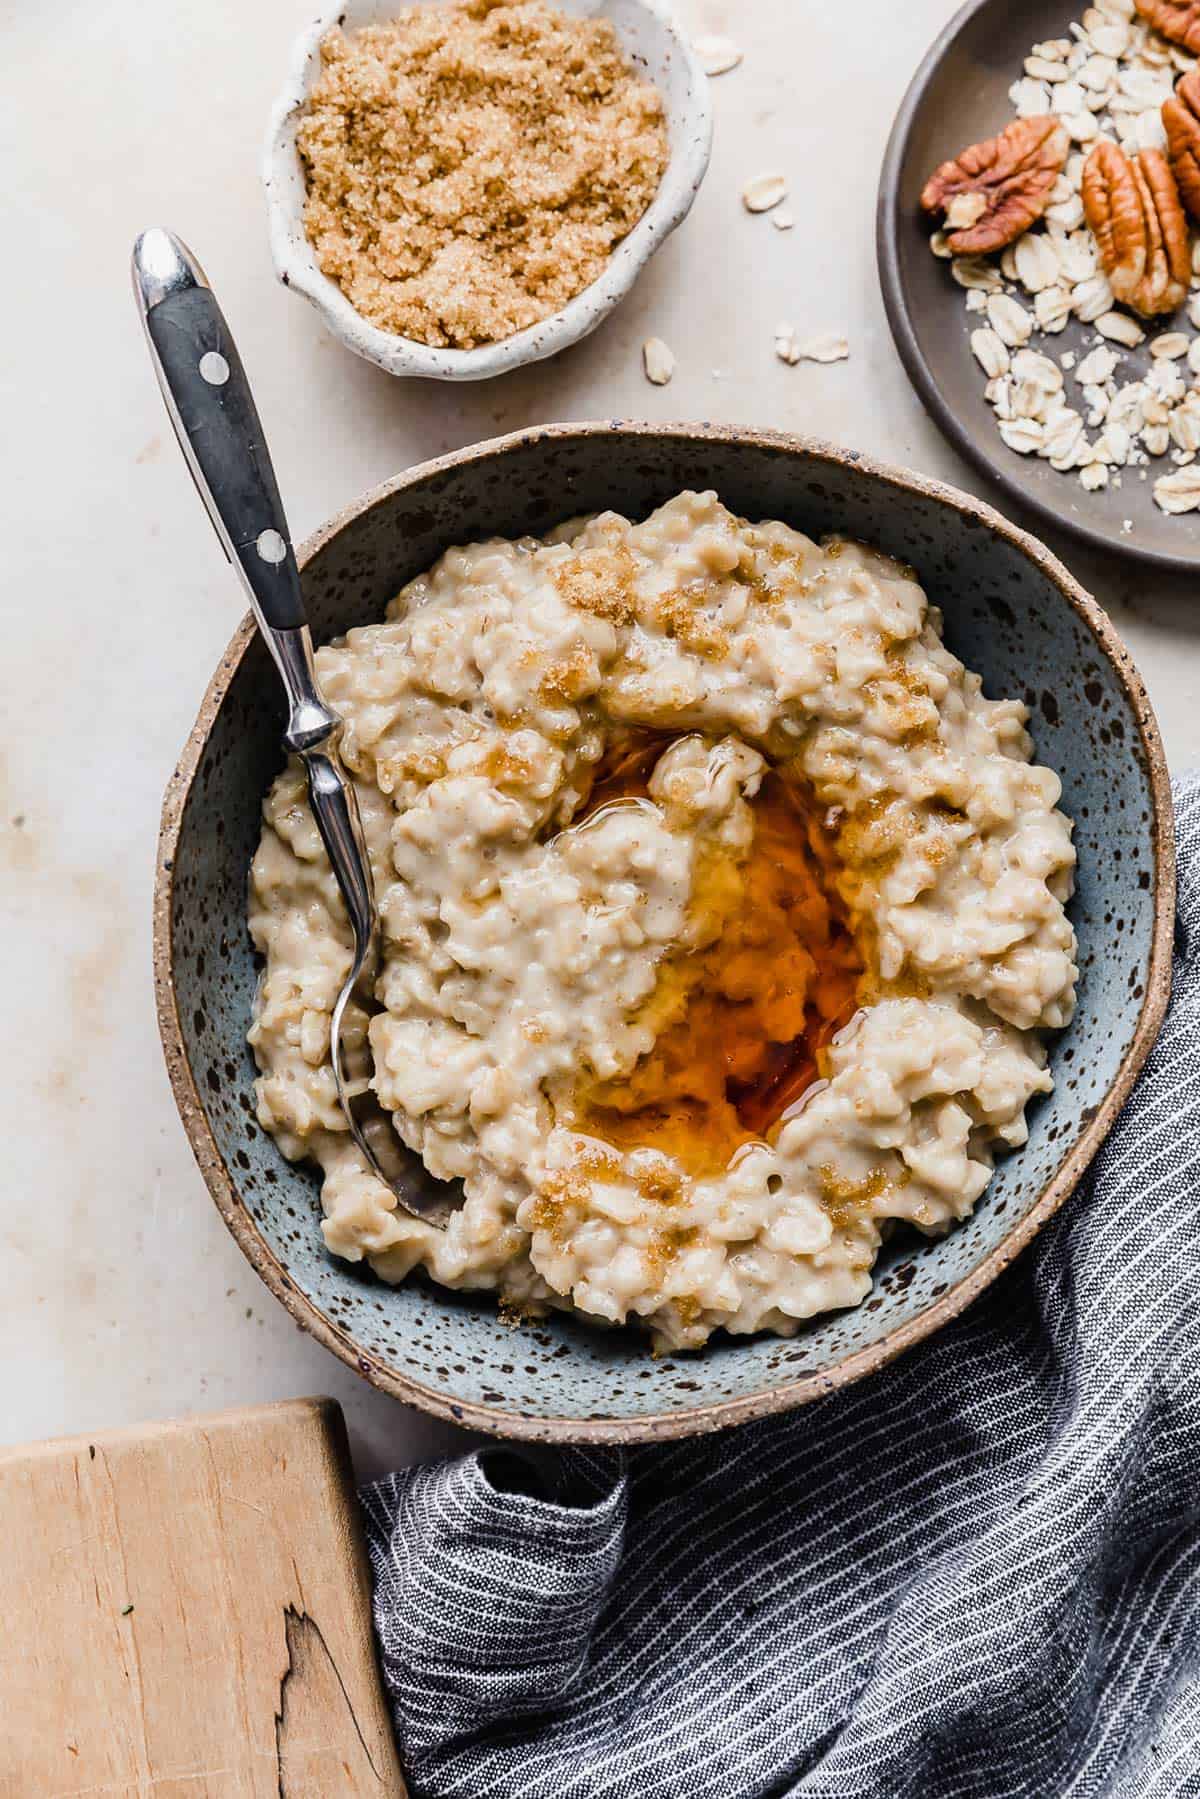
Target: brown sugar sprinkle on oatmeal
(472,167)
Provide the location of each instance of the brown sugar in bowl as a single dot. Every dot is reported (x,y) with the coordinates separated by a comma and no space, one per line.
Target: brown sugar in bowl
(658,51)
(1012,612)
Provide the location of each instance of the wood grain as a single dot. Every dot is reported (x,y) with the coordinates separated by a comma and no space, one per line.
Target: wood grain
(186,1615)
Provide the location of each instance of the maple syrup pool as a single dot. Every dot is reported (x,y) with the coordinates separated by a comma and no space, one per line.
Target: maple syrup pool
(753,1009)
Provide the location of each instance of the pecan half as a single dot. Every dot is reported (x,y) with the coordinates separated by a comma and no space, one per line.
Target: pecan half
(1136,216)
(995,190)
(1181,116)
(1178,20)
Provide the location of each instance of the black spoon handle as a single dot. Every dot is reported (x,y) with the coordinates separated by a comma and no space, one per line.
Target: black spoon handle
(217,424)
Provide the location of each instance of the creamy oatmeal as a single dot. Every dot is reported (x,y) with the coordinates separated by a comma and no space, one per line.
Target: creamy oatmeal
(723,918)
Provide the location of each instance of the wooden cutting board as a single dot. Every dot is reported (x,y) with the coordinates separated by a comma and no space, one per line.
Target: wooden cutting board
(185,1614)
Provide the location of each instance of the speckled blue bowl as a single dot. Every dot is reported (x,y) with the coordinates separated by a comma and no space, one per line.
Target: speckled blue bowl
(1012,612)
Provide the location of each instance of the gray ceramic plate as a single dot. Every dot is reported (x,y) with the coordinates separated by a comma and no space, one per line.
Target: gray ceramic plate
(1012,612)
(957,96)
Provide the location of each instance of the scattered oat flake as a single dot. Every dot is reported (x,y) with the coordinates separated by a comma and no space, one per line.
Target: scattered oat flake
(1179,492)
(1149,132)
(1067,98)
(1009,320)
(1082,126)
(998,394)
(1030,98)
(1076,255)
(1023,435)
(658,361)
(1169,344)
(989,351)
(1041,68)
(1052,308)
(976,271)
(1063,437)
(1096,400)
(783,218)
(762,192)
(1031,365)
(1185,431)
(786,347)
(1036,262)
(1096,366)
(1092,299)
(717,54)
(826,346)
(1097,74)
(1120,329)
(1067,213)
(1165,381)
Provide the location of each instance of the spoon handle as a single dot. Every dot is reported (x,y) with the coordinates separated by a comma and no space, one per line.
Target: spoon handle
(216,421)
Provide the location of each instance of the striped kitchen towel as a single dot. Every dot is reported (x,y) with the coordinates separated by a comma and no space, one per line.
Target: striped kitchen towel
(974,1576)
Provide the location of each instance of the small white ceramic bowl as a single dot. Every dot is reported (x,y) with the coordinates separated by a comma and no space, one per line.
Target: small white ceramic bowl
(655,43)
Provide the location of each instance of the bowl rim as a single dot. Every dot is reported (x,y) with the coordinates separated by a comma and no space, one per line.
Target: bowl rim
(976,449)
(785,1395)
(689,148)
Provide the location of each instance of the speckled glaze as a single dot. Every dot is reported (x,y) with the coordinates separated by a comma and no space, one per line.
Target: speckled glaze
(1012,612)
(658,49)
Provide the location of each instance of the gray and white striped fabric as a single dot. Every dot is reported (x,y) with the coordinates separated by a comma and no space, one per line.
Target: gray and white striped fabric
(975,1576)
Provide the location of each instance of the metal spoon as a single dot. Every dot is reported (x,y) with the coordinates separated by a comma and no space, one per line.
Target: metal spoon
(212,409)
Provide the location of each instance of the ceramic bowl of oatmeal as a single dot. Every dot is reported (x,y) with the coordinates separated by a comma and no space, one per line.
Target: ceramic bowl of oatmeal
(774,852)
(464,186)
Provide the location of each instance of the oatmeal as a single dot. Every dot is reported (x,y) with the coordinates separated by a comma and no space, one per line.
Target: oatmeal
(471,167)
(723,916)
